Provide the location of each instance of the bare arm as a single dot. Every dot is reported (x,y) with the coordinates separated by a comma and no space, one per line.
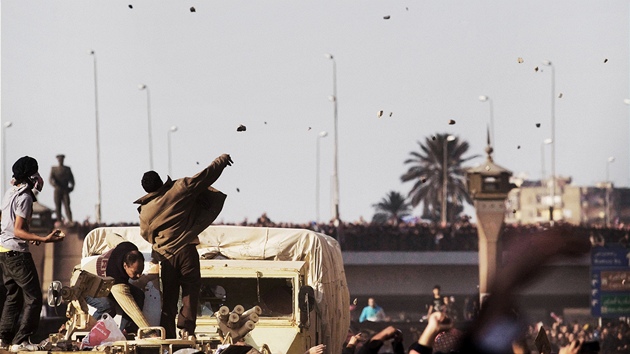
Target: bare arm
(318,349)
(438,322)
(20,231)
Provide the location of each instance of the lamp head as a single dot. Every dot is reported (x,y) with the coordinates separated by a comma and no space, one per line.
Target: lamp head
(329,56)
(483,98)
(173,128)
(323,134)
(547,62)
(142,87)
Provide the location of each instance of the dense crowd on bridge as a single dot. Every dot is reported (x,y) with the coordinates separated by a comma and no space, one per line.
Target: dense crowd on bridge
(416,236)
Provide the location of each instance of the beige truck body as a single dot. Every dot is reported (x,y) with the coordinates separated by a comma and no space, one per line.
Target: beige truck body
(253,266)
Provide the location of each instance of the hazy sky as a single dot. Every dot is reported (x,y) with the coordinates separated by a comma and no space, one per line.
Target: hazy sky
(262,64)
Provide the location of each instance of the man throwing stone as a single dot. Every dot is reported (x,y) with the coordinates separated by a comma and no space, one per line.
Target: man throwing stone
(172,214)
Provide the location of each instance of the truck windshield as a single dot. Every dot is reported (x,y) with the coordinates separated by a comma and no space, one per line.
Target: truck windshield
(273,295)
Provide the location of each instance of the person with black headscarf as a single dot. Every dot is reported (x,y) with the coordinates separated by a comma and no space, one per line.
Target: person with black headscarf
(24,293)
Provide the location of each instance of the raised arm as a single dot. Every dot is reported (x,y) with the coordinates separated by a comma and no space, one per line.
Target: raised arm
(210,174)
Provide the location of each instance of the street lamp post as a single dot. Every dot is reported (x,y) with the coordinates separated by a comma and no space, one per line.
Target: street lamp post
(445,176)
(547,141)
(98,145)
(146,88)
(542,158)
(5,126)
(608,187)
(553,138)
(172,129)
(627,102)
(321,135)
(333,98)
(489,100)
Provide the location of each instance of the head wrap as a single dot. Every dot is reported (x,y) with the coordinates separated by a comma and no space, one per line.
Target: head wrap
(151,181)
(24,167)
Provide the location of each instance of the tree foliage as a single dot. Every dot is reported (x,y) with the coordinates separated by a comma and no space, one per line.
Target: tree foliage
(426,171)
(391,208)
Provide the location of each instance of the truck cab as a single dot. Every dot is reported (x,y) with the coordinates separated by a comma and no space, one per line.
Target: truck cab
(274,287)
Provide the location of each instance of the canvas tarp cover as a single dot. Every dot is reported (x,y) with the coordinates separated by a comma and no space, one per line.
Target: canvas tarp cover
(321,252)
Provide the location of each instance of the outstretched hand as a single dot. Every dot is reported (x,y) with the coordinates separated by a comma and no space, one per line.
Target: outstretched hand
(318,349)
(525,258)
(572,348)
(355,339)
(226,159)
(55,236)
(528,253)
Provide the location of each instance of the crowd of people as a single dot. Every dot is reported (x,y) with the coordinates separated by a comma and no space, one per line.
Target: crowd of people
(499,326)
(443,335)
(611,336)
(415,236)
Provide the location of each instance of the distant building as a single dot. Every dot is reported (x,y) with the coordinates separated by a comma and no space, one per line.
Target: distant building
(577,205)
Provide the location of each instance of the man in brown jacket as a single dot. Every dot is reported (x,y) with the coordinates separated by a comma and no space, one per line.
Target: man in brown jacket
(172,215)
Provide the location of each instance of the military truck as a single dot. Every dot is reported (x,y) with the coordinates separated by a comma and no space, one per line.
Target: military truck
(294,277)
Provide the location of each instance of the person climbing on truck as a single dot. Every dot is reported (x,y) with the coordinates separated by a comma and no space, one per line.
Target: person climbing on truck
(122,263)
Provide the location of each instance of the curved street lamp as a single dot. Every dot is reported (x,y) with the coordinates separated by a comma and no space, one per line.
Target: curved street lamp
(5,126)
(172,129)
(146,88)
(553,138)
(98,144)
(320,136)
(608,187)
(627,102)
(547,141)
(333,98)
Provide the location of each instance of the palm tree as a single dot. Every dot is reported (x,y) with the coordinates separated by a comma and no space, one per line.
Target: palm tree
(391,208)
(427,170)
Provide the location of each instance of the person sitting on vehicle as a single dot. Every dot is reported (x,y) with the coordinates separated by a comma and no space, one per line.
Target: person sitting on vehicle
(122,263)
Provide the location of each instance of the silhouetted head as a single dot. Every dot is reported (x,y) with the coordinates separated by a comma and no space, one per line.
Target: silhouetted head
(24,167)
(436,290)
(133,264)
(25,170)
(151,181)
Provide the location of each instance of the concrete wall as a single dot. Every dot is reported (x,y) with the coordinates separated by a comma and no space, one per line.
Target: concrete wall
(402,281)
